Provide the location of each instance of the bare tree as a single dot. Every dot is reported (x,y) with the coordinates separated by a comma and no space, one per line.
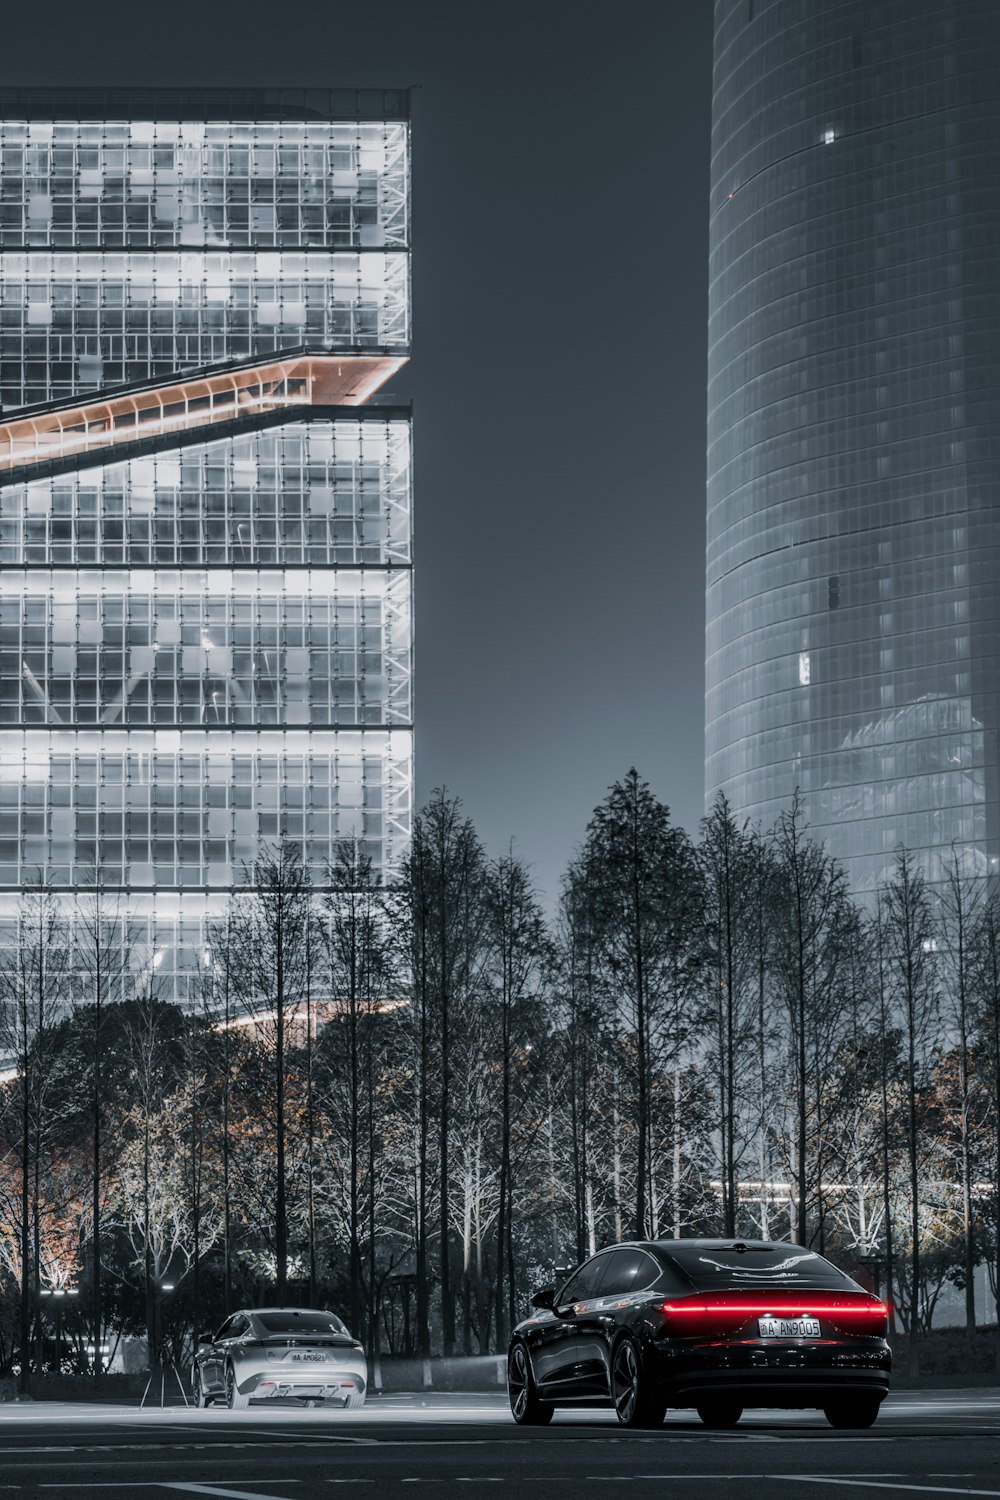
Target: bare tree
(364,979)
(149,1077)
(732,860)
(269,924)
(646,894)
(960,899)
(32,994)
(910,953)
(815,924)
(104,953)
(520,959)
(986,967)
(222,1006)
(579,1035)
(444,882)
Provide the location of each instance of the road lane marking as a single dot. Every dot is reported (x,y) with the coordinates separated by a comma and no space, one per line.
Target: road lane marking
(876,1484)
(255,1440)
(215,1489)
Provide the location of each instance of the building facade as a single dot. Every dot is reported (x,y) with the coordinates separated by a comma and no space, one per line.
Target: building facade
(205,509)
(854,424)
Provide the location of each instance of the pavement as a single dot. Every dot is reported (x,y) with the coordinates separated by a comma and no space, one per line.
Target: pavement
(925,1443)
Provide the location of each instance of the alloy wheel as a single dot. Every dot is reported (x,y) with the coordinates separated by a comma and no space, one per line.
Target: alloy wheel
(517,1381)
(625,1381)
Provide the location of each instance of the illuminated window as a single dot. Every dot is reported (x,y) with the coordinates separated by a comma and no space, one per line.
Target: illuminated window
(205,586)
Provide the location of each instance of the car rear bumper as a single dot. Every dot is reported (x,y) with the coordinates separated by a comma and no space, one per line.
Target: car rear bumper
(778,1388)
(337,1385)
(768,1375)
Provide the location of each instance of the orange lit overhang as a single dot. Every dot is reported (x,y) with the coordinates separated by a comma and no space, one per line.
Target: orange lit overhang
(199,400)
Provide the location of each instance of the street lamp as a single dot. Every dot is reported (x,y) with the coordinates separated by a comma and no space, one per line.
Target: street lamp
(160,1355)
(871,1257)
(58,1294)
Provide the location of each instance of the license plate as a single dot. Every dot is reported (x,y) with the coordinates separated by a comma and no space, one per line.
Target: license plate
(307,1359)
(788,1328)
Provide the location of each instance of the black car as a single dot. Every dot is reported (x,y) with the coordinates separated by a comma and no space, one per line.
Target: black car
(720,1325)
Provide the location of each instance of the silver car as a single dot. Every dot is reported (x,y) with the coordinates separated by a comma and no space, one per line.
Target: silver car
(264,1353)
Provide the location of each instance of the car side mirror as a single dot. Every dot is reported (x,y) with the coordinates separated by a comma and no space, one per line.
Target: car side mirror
(546,1298)
(205,1338)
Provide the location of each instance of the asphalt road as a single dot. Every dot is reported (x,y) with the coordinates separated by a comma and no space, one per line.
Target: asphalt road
(924,1444)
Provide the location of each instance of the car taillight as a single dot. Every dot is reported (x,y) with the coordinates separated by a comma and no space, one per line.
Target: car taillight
(691,1317)
(711,1314)
(868,1317)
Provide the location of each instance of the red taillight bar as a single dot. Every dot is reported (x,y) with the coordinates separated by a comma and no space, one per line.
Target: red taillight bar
(764,1305)
(720,1313)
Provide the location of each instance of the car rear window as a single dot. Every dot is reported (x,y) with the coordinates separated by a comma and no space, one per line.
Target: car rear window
(300,1322)
(771,1265)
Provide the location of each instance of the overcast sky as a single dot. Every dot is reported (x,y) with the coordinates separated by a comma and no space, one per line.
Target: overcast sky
(558,376)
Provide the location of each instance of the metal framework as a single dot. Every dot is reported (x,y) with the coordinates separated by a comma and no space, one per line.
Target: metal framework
(205,558)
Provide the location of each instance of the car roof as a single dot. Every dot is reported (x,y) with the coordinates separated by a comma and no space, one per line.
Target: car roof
(307,1312)
(723,1242)
(701,1242)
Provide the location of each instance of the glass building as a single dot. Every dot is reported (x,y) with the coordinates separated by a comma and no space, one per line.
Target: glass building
(205,508)
(853,620)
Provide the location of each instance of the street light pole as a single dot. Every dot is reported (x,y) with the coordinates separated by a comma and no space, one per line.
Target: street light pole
(161,1356)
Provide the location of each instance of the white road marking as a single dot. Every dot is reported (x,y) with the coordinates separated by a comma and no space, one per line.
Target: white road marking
(215,1489)
(254,1440)
(164,1484)
(875,1484)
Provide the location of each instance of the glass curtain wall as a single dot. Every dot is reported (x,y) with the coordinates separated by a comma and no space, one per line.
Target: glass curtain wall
(205,637)
(854,424)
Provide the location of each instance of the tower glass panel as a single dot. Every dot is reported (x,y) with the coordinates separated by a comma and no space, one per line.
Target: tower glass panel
(854,424)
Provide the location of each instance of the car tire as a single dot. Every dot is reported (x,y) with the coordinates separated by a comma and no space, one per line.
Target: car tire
(857,1411)
(719,1414)
(198,1396)
(355,1401)
(236,1400)
(634,1403)
(526,1408)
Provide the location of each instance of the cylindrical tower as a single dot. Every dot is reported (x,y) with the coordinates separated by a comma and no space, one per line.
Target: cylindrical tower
(853,619)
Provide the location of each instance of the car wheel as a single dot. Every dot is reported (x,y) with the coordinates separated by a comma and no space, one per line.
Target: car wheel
(355,1401)
(527,1409)
(860,1411)
(235,1399)
(634,1403)
(719,1413)
(198,1396)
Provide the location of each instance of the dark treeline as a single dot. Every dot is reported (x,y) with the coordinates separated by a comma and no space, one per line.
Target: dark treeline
(414,1104)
